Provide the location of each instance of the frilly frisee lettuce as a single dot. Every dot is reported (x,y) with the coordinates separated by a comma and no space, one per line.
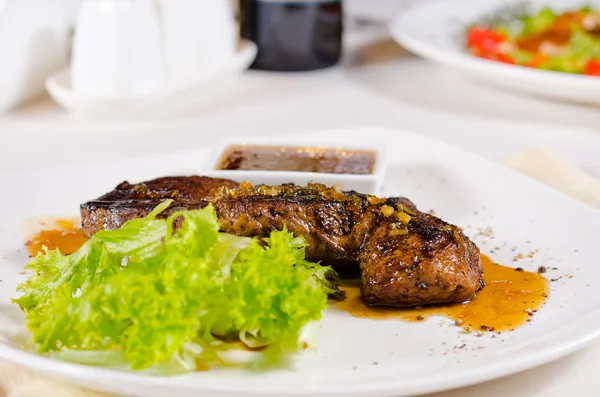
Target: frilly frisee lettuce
(148,296)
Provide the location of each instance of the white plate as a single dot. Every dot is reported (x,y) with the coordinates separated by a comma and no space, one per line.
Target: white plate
(205,87)
(435,30)
(360,357)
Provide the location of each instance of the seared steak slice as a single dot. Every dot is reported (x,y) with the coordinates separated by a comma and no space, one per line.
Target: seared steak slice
(129,201)
(434,262)
(406,257)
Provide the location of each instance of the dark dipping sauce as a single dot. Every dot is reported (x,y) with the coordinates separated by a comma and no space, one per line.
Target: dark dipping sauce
(329,161)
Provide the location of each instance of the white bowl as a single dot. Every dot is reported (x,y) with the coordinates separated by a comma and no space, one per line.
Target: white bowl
(364,183)
(205,87)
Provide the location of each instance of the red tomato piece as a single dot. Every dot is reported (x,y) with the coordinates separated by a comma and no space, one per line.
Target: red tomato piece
(593,68)
(485,38)
(506,59)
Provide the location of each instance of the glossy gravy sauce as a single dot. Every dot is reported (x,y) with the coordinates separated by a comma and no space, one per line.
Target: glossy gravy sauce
(509,299)
(330,161)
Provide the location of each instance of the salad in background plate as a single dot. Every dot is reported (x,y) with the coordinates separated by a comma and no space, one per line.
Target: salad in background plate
(558,41)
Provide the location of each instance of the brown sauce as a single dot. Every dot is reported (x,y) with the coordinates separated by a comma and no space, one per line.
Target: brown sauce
(558,34)
(66,236)
(509,299)
(330,161)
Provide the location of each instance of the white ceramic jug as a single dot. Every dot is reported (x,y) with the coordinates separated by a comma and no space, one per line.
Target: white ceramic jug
(134,47)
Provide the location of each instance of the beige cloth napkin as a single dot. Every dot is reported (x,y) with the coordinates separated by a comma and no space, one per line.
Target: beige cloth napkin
(541,164)
(553,170)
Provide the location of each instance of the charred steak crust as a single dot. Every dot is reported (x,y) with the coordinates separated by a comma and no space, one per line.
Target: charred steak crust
(406,257)
(128,201)
(434,262)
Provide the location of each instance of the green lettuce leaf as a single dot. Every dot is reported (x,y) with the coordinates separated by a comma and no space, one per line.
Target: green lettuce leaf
(565,63)
(584,45)
(151,297)
(538,22)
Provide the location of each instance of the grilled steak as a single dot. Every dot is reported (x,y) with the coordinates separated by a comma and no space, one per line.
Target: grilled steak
(406,257)
(129,201)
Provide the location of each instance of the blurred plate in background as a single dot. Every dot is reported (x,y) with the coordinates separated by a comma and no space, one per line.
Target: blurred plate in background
(211,84)
(435,30)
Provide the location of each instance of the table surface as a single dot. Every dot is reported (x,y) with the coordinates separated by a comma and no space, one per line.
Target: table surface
(377,85)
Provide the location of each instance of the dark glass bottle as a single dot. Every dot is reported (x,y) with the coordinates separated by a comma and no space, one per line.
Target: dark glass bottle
(293,35)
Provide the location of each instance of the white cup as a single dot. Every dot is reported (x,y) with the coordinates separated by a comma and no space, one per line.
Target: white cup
(117,49)
(197,34)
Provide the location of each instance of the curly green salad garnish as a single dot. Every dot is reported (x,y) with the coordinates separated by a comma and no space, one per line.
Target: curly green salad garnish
(564,42)
(149,296)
